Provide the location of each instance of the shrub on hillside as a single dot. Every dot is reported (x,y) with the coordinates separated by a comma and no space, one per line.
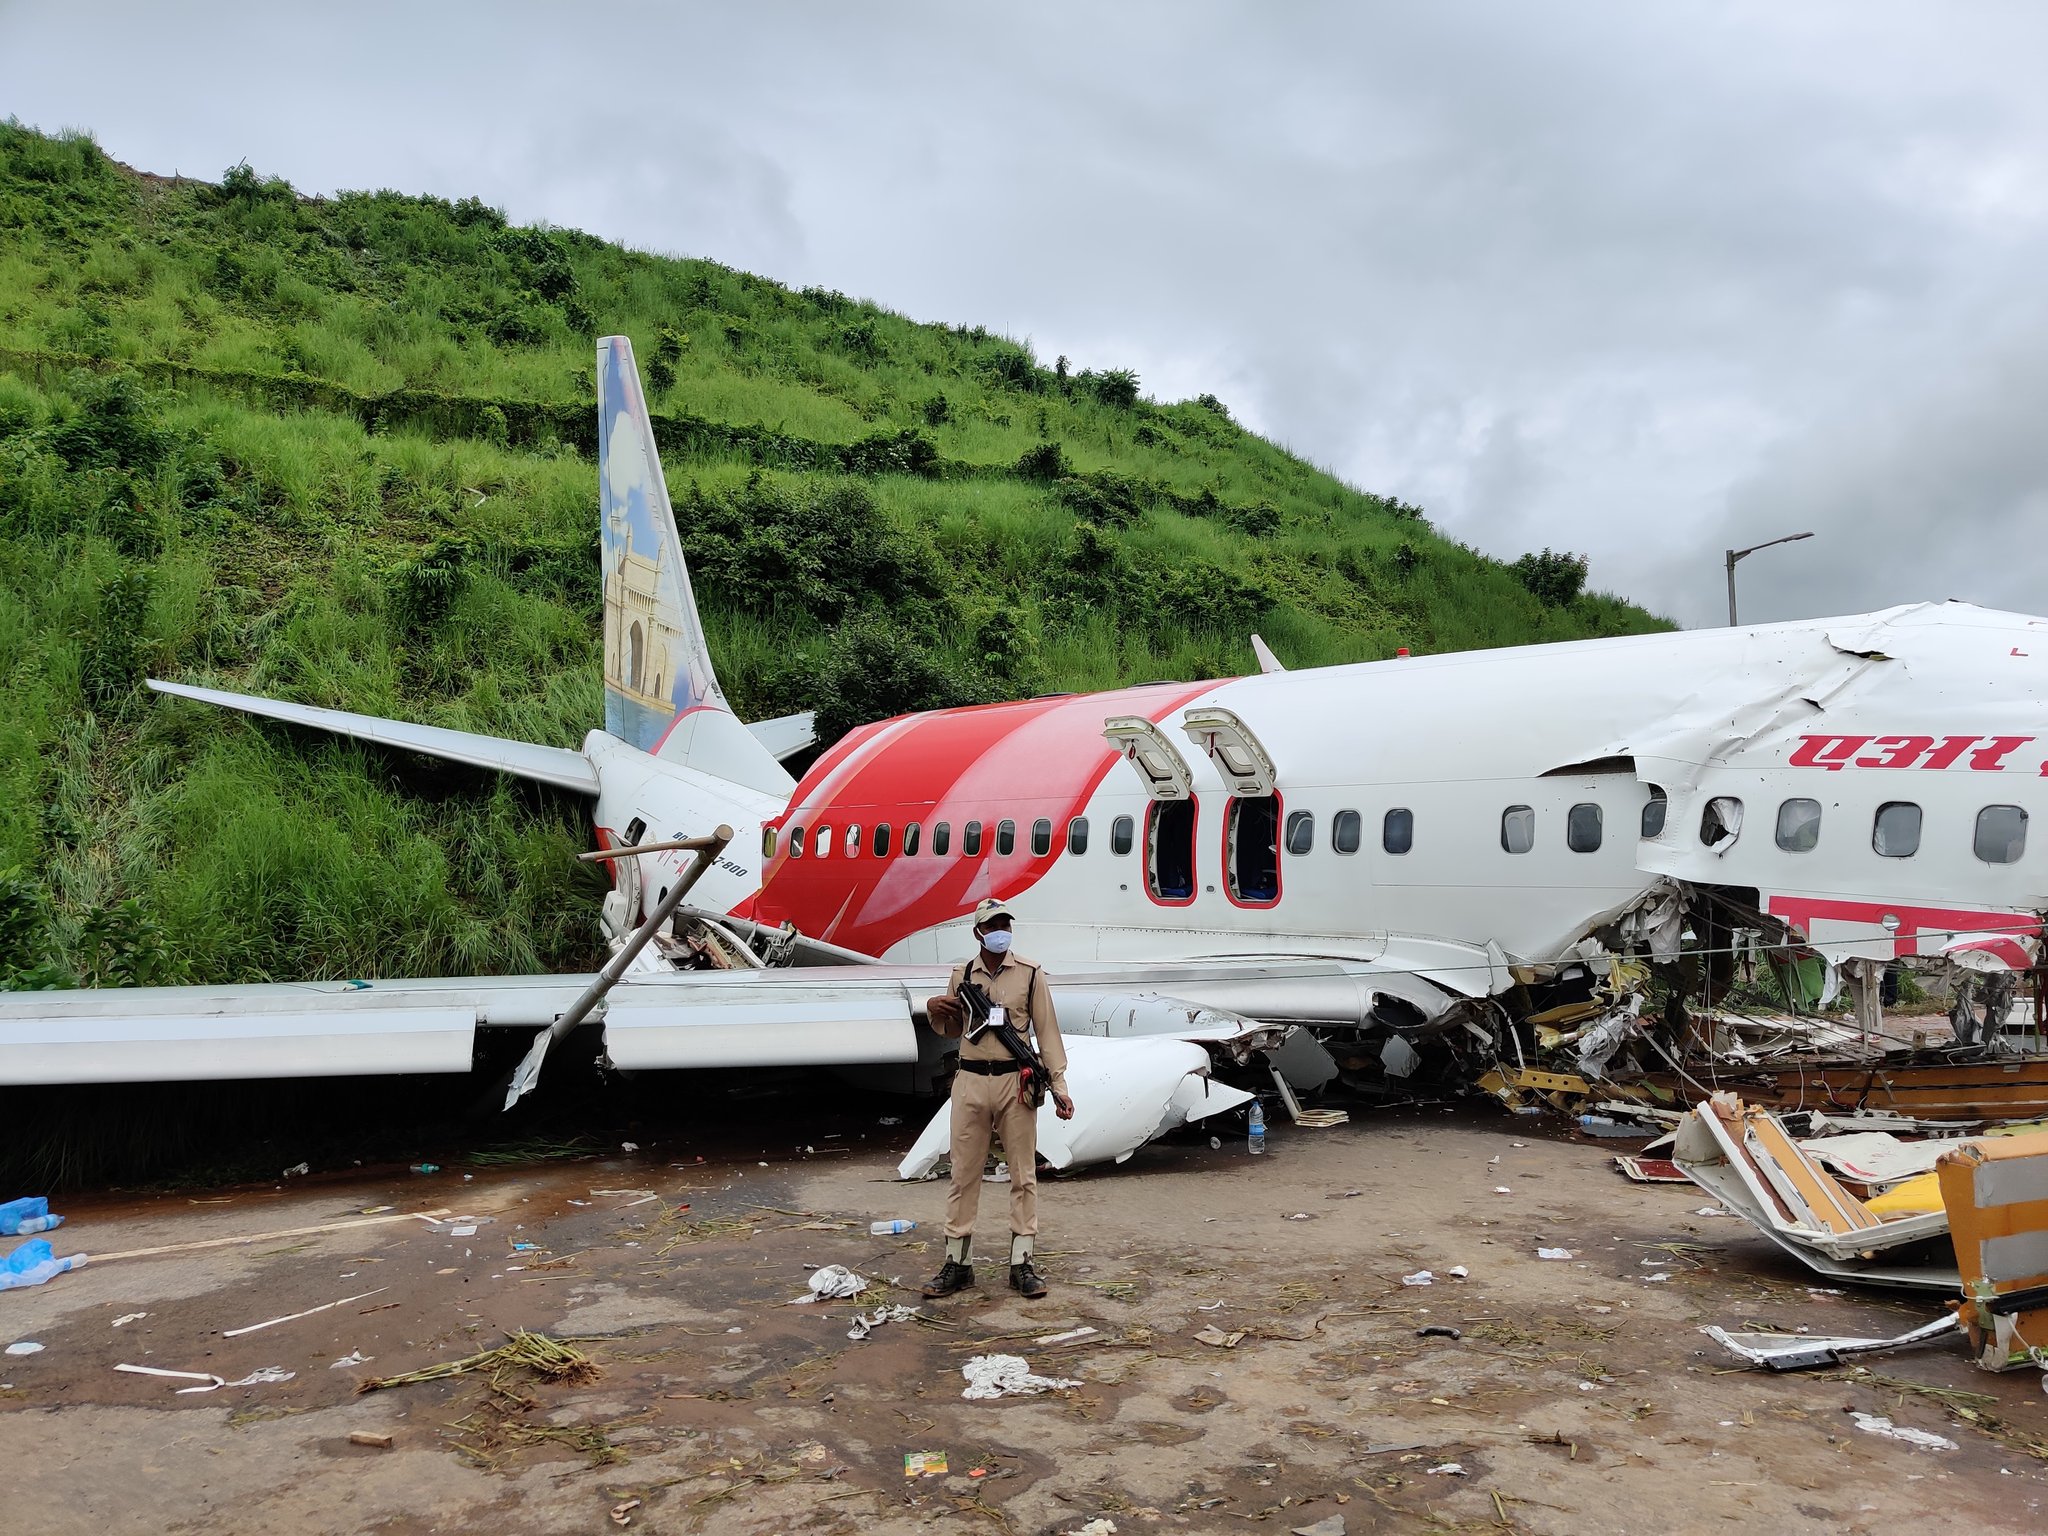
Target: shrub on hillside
(1118,387)
(1555,578)
(874,668)
(818,547)
(1104,497)
(908,452)
(113,426)
(1045,462)
(936,411)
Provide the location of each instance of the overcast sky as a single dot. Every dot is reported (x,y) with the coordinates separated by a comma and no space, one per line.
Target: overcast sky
(1638,280)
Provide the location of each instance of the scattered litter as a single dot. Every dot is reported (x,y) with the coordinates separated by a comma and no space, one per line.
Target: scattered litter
(893,1228)
(1796,1352)
(1458,1272)
(1555,1253)
(1101,1525)
(1446,1469)
(924,1464)
(375,1210)
(211,1382)
(622,1513)
(1420,1277)
(353,1357)
(1878,1424)
(1300,1216)
(1332,1526)
(629,1146)
(298,1170)
(467,1229)
(1216,1338)
(992,1376)
(25,1347)
(129,1317)
(1657,1279)
(1000,1176)
(1065,1338)
(1438,1331)
(426,1167)
(1502,1189)
(292,1317)
(867,1322)
(891,1120)
(1712,1210)
(835,1282)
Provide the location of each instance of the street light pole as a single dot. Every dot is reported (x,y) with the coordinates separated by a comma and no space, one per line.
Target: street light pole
(1736,554)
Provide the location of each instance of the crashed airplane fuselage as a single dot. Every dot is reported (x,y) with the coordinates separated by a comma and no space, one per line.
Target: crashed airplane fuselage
(1371,851)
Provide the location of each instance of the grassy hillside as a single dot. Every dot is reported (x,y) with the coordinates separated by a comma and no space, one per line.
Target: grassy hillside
(338,451)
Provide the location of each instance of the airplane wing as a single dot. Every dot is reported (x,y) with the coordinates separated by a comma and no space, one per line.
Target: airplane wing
(1140,1037)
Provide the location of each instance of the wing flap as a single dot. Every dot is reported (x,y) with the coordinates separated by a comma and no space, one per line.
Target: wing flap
(548,765)
(177,1046)
(661,1028)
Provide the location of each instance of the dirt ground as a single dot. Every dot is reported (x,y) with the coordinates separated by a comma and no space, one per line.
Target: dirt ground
(1579,1396)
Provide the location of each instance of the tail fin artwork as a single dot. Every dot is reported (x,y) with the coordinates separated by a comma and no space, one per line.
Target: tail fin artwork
(661,692)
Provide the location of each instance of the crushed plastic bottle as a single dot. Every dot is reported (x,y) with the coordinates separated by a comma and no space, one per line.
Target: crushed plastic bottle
(1256,1140)
(426,1167)
(894,1228)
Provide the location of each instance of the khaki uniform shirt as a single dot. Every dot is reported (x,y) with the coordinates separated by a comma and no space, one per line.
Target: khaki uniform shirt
(1019,986)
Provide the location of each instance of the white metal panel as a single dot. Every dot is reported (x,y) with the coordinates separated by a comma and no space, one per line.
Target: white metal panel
(1156,761)
(185,1047)
(650,1029)
(1241,759)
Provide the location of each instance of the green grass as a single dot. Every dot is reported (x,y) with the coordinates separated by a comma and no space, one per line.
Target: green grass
(337,450)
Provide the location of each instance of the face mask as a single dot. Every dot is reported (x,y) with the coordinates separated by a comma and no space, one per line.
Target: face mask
(996,941)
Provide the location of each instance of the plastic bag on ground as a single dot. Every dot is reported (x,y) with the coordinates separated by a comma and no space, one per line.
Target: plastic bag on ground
(29,1214)
(991,1376)
(33,1263)
(835,1282)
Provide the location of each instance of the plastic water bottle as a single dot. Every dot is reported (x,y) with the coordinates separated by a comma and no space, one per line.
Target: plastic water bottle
(1256,1142)
(426,1167)
(16,1215)
(34,1224)
(894,1228)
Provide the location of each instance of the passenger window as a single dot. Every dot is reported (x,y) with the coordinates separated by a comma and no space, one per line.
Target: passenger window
(1397,831)
(767,843)
(1345,828)
(1170,850)
(1799,826)
(1301,832)
(1120,838)
(1896,832)
(1006,837)
(911,836)
(853,841)
(970,840)
(1252,839)
(1721,821)
(1653,813)
(821,843)
(1041,837)
(1518,829)
(881,839)
(1582,828)
(1077,835)
(2001,834)
(796,842)
(942,839)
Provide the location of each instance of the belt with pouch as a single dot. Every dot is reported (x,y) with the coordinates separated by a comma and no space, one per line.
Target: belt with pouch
(987,1068)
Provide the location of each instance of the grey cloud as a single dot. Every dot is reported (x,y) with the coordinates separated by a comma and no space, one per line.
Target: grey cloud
(1638,281)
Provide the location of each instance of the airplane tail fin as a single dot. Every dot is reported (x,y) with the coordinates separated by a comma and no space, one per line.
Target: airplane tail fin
(661,692)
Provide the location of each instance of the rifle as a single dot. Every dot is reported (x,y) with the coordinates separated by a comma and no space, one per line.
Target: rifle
(1031,1068)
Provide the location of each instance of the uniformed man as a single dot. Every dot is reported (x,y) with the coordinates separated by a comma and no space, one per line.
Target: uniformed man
(988,1097)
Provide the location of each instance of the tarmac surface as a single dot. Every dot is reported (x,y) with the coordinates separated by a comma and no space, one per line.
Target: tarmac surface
(1578,1397)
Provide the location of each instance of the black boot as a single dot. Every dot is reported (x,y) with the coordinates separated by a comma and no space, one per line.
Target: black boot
(1025,1281)
(954,1276)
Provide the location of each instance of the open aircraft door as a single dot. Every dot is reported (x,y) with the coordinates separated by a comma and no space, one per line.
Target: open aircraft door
(1156,761)
(1241,759)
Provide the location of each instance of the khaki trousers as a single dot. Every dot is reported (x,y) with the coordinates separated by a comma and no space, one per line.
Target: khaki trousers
(981,1106)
